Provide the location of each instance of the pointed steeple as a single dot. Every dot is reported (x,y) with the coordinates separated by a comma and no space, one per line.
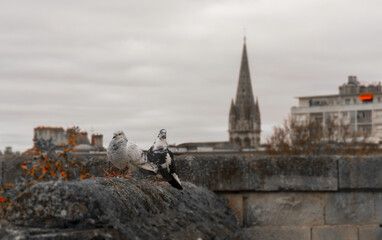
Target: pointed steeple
(232,108)
(244,125)
(258,111)
(244,94)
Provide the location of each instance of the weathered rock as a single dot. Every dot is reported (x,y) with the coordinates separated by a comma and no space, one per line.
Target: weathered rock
(117,208)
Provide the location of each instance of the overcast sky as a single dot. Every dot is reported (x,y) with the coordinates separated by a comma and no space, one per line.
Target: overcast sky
(141,65)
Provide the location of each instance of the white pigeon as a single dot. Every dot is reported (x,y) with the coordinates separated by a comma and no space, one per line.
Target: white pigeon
(125,155)
(163,159)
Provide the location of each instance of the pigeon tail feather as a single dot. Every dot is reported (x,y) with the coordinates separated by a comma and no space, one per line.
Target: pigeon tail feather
(175,184)
(149,167)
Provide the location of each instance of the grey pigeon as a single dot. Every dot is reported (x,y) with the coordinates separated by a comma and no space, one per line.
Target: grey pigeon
(163,158)
(125,155)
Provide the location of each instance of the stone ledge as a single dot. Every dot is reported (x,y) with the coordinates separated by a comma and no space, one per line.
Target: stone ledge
(293,174)
(360,173)
(253,173)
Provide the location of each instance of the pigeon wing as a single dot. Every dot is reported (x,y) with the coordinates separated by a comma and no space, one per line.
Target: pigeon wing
(139,159)
(166,167)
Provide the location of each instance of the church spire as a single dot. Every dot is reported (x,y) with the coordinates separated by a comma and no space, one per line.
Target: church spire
(232,108)
(244,94)
(244,125)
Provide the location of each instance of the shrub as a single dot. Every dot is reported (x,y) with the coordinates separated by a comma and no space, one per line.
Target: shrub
(310,138)
(48,164)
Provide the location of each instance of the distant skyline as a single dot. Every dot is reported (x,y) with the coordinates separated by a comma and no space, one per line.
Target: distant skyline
(140,66)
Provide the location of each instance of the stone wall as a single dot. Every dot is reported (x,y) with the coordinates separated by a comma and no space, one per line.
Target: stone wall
(295,197)
(304,198)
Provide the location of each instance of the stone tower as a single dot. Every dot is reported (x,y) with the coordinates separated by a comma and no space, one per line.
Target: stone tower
(244,114)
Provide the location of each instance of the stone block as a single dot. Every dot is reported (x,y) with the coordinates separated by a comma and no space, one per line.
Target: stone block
(360,173)
(277,233)
(370,233)
(293,173)
(285,209)
(200,170)
(349,208)
(11,166)
(235,202)
(334,233)
(233,174)
(378,207)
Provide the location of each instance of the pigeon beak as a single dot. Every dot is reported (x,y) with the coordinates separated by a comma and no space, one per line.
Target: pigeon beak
(114,137)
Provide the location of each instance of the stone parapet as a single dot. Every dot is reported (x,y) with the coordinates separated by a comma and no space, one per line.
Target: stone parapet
(360,173)
(279,197)
(284,197)
(243,173)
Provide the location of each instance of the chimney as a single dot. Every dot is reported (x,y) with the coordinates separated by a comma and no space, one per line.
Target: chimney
(352,80)
(97,140)
(82,138)
(8,150)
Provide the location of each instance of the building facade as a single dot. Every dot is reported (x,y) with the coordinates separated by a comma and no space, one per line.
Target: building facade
(357,105)
(60,138)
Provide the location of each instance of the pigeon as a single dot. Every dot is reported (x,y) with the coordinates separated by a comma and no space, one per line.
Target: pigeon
(125,155)
(163,159)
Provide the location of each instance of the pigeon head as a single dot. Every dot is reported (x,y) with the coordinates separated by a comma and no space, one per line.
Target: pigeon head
(162,134)
(119,135)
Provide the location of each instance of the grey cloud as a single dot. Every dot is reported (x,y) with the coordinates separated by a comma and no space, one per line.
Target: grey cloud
(144,65)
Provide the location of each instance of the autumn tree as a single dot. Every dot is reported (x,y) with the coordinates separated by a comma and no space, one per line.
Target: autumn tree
(311,138)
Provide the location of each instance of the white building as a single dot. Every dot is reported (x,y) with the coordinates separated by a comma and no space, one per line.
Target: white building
(358,105)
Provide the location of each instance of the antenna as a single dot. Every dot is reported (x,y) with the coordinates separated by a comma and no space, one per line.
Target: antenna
(245,32)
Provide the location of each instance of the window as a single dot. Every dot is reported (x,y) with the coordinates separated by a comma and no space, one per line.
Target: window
(363,116)
(318,102)
(378,114)
(317,117)
(300,117)
(347,101)
(365,129)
